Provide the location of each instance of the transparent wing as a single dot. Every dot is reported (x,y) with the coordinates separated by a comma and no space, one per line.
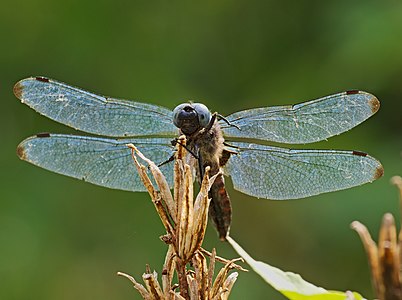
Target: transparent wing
(92,113)
(278,174)
(100,161)
(305,122)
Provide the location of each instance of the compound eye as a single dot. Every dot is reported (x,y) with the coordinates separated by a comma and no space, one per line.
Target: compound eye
(204,115)
(176,114)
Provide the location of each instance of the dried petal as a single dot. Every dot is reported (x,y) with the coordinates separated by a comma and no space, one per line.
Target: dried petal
(211,269)
(185,220)
(228,284)
(162,184)
(168,271)
(224,260)
(388,253)
(193,287)
(139,287)
(201,206)
(372,254)
(201,273)
(142,172)
(176,296)
(151,281)
(220,279)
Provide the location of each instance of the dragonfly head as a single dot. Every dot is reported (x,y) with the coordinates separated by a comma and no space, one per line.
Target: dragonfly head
(190,117)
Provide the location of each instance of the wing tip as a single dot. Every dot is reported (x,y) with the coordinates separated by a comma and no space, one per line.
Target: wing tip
(25,145)
(372,101)
(21,153)
(379,172)
(374,104)
(18,89)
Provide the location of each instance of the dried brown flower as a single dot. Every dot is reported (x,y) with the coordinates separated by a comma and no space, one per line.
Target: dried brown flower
(385,258)
(185,221)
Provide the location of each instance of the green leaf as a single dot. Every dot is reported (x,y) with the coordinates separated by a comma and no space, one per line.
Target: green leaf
(291,285)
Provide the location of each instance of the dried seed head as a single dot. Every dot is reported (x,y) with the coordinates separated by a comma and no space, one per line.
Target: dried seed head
(185,221)
(384,259)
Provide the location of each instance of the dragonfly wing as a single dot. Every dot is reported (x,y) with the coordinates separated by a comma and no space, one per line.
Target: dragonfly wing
(100,161)
(306,122)
(92,113)
(278,173)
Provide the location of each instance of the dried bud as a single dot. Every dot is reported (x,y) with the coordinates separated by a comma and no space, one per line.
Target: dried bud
(185,221)
(384,259)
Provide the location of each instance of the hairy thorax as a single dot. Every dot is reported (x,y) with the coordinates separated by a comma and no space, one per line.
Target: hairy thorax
(208,146)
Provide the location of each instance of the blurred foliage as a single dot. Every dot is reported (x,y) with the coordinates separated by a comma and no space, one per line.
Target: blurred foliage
(63,238)
(290,284)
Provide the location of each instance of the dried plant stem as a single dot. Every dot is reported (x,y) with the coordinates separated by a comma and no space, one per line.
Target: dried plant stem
(386,257)
(181,273)
(185,221)
(224,260)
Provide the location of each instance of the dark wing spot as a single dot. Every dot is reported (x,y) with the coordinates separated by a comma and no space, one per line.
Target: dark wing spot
(359,153)
(43,79)
(374,104)
(21,152)
(352,92)
(18,89)
(43,135)
(378,172)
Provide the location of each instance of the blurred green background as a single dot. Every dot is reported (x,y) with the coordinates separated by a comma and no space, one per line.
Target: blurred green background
(61,238)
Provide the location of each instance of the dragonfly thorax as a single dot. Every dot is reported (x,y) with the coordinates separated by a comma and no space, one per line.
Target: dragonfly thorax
(191,117)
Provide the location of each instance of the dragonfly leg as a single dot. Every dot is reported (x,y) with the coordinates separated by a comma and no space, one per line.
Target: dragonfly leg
(231,146)
(211,123)
(220,117)
(176,141)
(200,165)
(170,159)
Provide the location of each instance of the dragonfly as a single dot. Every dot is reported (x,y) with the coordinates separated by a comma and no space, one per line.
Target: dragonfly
(224,143)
